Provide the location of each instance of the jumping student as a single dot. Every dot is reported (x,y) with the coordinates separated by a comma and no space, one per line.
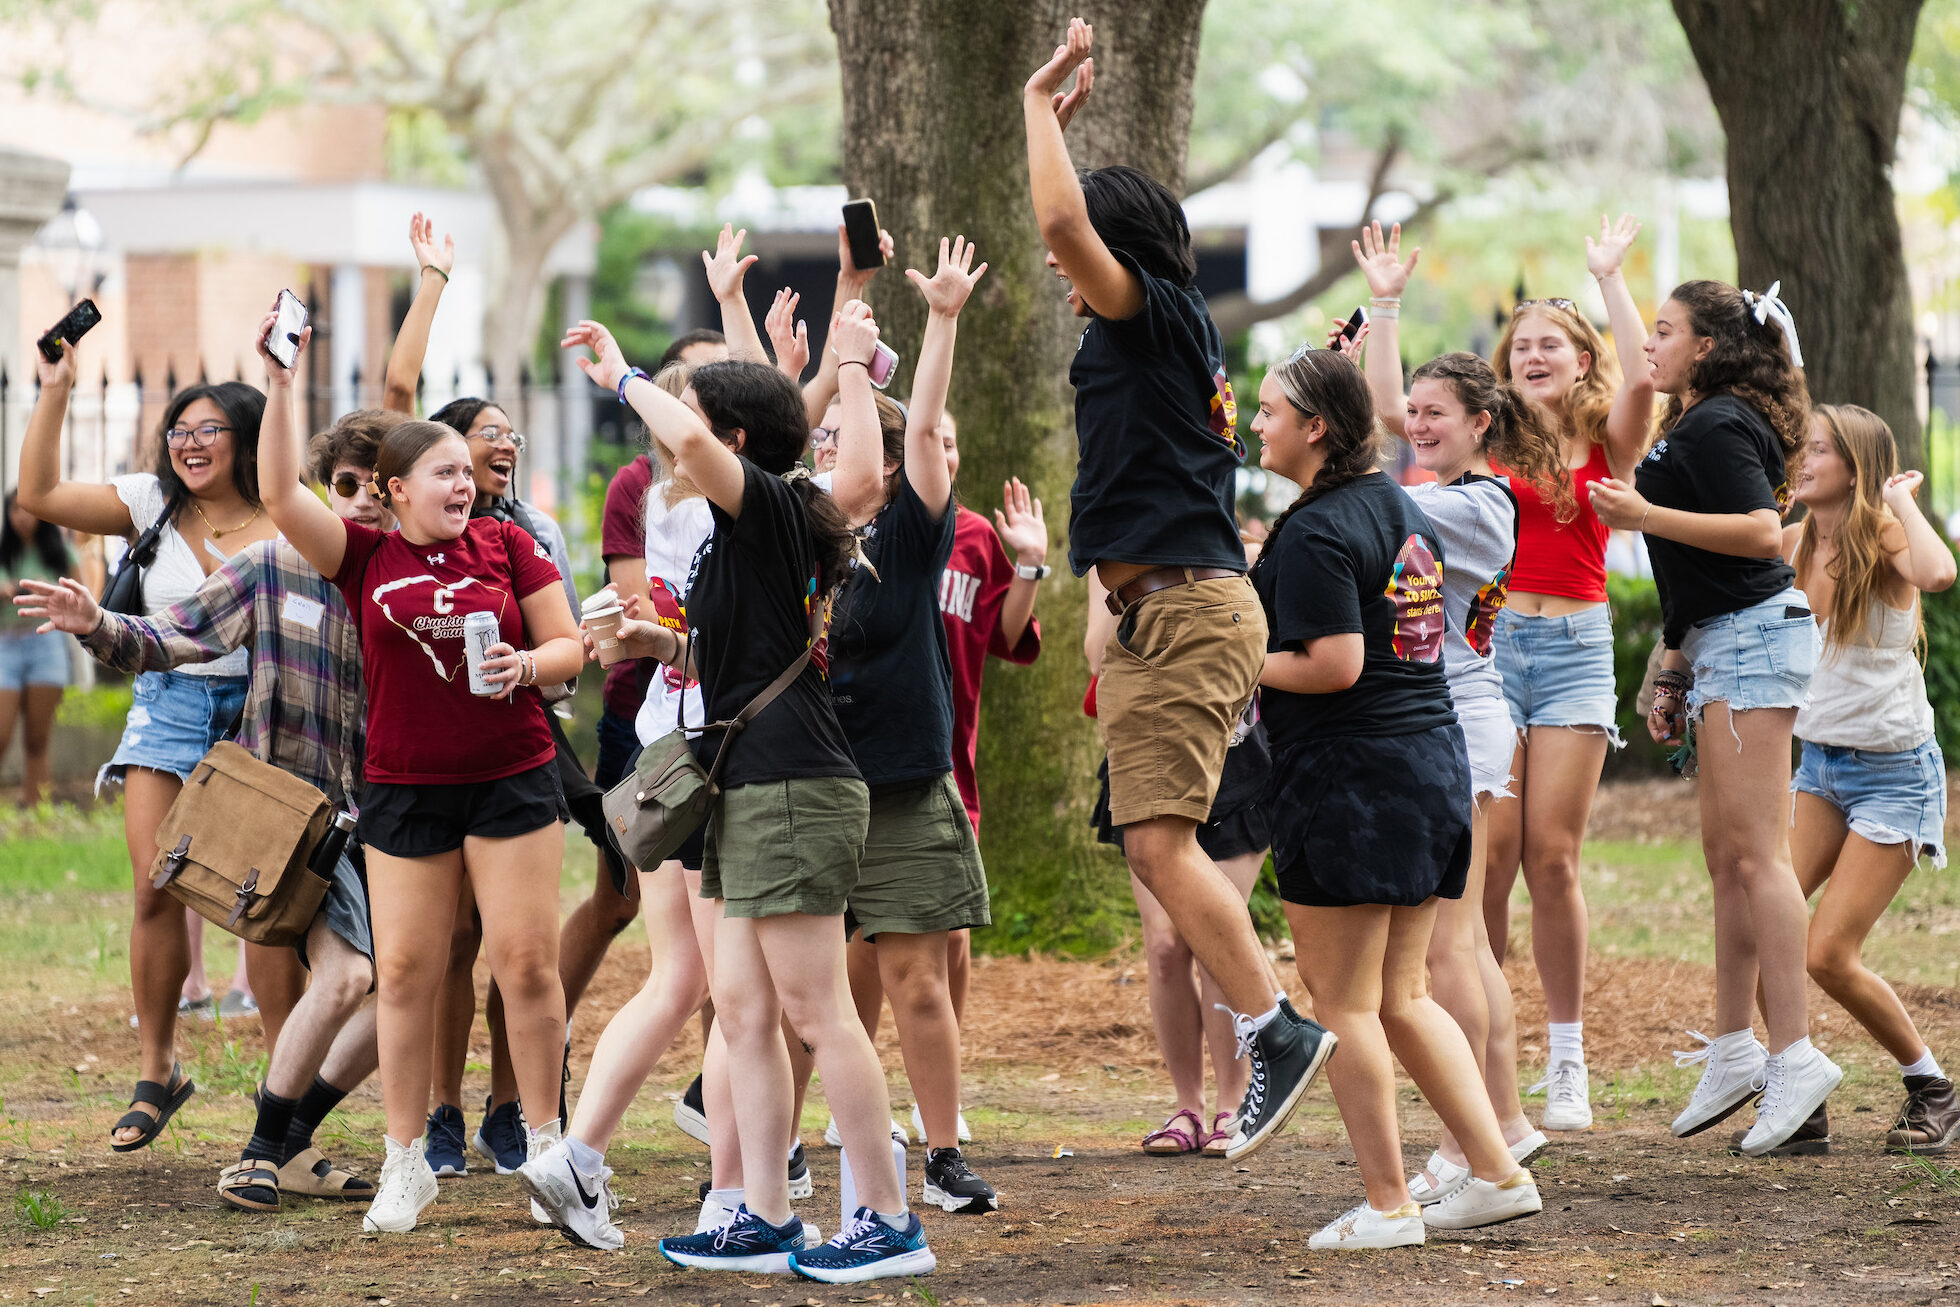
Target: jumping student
(1460,420)
(304,715)
(784,839)
(204,490)
(1871,784)
(459,784)
(1151,512)
(1358,705)
(1554,638)
(891,684)
(1740,649)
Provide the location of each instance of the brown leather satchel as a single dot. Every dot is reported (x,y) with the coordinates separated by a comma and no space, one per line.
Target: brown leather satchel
(234,847)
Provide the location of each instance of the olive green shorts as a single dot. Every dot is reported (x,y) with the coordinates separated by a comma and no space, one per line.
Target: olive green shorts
(921,869)
(779,847)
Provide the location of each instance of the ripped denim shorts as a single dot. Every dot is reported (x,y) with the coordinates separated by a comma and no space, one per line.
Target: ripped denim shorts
(174,719)
(1761,656)
(1888,798)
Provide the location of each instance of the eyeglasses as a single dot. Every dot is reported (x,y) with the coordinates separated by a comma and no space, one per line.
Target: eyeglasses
(499,434)
(1555,301)
(347,485)
(201,437)
(821,436)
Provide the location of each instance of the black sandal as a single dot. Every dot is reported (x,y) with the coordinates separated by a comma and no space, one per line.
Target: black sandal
(161,1097)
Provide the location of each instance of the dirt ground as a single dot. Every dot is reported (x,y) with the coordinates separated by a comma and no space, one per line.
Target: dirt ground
(1063,1076)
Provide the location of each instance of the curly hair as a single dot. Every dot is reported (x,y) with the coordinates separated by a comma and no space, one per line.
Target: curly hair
(1590,400)
(1749,359)
(1522,435)
(354,439)
(1324,383)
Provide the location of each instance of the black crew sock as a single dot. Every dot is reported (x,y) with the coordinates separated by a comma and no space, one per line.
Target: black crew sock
(269,1135)
(319,1099)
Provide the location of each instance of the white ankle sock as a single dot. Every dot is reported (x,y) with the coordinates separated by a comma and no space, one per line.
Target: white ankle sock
(896,1220)
(1568,1041)
(584,1155)
(1927,1065)
(1797,1049)
(1265,1019)
(730,1199)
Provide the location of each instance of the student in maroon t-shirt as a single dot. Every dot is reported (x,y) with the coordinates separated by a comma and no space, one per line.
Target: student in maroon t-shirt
(458,785)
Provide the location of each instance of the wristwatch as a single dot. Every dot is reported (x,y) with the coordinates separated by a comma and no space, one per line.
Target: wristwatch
(1027,573)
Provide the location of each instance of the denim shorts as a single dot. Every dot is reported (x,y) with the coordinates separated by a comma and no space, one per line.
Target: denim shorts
(174,719)
(33,659)
(1756,657)
(1558,671)
(1888,798)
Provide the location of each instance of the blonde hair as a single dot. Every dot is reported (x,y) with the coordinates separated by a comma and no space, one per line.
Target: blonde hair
(1591,397)
(673,487)
(1858,568)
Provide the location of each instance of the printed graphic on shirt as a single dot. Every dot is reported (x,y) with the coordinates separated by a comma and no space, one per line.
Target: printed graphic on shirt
(1225,412)
(1481,621)
(670,612)
(957,591)
(1415,587)
(431,614)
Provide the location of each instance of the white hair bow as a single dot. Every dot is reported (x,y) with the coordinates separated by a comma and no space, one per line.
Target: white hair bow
(1767,306)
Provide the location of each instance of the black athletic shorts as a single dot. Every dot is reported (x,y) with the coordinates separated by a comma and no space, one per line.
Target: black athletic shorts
(417,821)
(1367,820)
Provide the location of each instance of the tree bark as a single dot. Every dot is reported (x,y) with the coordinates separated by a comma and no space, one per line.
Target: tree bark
(933,133)
(1809,93)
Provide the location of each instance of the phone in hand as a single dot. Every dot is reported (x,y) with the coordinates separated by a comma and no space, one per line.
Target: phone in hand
(283,343)
(73,326)
(884,365)
(861,231)
(1355,322)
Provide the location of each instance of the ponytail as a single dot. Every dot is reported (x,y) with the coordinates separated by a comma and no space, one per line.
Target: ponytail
(1522,436)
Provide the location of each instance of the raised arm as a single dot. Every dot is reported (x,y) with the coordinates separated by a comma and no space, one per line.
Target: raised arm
(789,336)
(698,455)
(852,282)
(412,341)
(216,619)
(1923,559)
(310,525)
(946,292)
(78,505)
(1630,421)
(726,268)
(1102,281)
(1388,276)
(857,483)
(1025,534)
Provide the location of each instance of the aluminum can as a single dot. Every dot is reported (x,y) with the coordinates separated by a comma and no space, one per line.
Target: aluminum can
(480,631)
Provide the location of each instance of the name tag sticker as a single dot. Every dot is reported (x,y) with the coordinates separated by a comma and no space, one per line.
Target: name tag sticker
(301,611)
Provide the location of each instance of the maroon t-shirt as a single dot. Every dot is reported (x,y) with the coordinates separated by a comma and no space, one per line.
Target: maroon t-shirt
(424,727)
(971,591)
(622,534)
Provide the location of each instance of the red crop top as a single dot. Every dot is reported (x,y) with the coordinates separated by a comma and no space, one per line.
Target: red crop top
(1562,558)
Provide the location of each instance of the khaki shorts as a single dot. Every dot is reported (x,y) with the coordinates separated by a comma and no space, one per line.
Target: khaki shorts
(1178,672)
(921,871)
(779,847)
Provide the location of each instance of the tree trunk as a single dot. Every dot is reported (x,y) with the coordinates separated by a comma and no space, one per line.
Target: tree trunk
(933,133)
(1809,93)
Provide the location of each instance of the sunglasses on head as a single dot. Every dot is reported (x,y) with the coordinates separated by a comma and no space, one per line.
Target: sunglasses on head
(1557,302)
(347,485)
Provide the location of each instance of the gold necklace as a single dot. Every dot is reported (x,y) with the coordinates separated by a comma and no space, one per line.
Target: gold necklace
(216,534)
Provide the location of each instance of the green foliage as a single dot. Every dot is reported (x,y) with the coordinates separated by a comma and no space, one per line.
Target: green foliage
(39,1209)
(1942,617)
(102,708)
(1636,608)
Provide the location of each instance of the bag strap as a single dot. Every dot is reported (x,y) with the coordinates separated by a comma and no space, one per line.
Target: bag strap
(143,551)
(735,725)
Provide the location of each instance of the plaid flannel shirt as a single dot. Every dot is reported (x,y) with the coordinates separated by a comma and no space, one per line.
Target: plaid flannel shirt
(305,702)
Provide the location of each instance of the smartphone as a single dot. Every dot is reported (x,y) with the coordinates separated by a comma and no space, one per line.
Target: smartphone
(1356,321)
(283,343)
(884,365)
(861,230)
(71,328)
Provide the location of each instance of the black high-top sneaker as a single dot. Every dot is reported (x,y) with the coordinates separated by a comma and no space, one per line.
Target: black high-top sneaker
(1286,1056)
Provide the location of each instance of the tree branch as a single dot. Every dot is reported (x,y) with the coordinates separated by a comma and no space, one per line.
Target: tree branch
(1240,160)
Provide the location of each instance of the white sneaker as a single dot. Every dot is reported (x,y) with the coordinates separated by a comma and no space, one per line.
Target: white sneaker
(579,1203)
(1435,1182)
(1364,1227)
(1793,1088)
(1528,1147)
(540,1142)
(1731,1075)
(1568,1097)
(1479,1203)
(833,1139)
(960,1129)
(407,1186)
(713,1216)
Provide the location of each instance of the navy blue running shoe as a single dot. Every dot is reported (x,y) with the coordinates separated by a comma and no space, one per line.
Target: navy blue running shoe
(502,1137)
(868,1249)
(746,1243)
(442,1145)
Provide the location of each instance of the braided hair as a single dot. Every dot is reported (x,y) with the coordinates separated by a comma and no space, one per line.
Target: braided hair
(1324,383)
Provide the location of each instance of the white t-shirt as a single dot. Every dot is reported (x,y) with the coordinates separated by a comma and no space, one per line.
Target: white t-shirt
(175,574)
(674,536)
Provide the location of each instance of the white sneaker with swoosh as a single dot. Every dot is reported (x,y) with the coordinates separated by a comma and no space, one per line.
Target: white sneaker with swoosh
(579,1203)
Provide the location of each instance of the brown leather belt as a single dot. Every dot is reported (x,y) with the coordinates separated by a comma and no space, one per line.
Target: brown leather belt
(1160,578)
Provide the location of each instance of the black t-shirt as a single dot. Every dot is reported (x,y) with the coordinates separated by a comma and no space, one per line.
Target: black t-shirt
(1721,457)
(1157,452)
(1361,558)
(891,680)
(748,607)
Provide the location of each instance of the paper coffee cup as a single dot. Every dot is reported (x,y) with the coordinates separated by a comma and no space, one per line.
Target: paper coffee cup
(603,626)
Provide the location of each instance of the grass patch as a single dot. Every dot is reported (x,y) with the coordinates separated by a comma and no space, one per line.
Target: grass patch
(39,1209)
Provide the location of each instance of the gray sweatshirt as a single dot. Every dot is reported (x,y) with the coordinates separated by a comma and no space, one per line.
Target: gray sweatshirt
(1476,518)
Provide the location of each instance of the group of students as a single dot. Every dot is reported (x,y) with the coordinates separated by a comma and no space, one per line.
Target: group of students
(1406,695)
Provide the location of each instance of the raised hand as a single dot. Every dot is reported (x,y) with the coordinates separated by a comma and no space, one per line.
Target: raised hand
(60,373)
(1604,256)
(608,365)
(422,238)
(854,333)
(1381,261)
(1350,348)
(1071,55)
(65,607)
(857,278)
(1900,490)
(788,334)
(726,266)
(1020,524)
(277,373)
(947,289)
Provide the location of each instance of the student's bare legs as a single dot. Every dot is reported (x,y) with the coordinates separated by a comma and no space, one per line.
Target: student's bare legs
(516,884)
(34,710)
(339,987)
(590,930)
(276,981)
(1560,780)
(1163,853)
(413,900)
(159,942)
(913,968)
(959,969)
(456,1010)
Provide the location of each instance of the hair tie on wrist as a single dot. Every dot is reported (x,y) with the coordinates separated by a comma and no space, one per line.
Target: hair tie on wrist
(430,267)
